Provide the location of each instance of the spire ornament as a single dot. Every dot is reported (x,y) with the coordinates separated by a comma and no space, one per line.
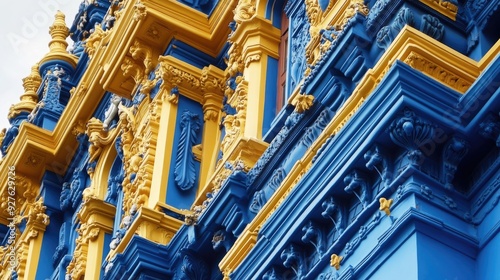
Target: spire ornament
(30,98)
(57,46)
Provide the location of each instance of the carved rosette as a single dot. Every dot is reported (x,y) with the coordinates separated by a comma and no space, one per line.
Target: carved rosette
(303,102)
(411,132)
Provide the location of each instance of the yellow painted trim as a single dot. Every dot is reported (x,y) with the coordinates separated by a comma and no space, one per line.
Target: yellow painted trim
(94,256)
(33,255)
(212,86)
(101,174)
(150,224)
(443,7)
(491,54)
(166,19)
(162,161)
(245,150)
(408,41)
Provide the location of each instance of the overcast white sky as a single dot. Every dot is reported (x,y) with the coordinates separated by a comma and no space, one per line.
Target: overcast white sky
(24,38)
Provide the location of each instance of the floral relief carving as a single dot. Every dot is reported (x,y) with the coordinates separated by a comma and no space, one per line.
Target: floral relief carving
(244,11)
(430,68)
(94,41)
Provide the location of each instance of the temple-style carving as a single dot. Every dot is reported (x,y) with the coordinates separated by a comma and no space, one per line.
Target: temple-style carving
(411,133)
(237,139)
(428,67)
(355,181)
(454,151)
(335,212)
(184,165)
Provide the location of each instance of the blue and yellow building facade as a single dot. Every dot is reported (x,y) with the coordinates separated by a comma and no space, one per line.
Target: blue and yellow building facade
(256,139)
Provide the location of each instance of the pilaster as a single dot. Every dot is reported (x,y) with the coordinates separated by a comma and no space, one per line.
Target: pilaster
(96,219)
(211,83)
(257,40)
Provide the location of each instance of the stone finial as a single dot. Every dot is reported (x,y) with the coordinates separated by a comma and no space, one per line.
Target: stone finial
(59,32)
(29,98)
(32,81)
(57,46)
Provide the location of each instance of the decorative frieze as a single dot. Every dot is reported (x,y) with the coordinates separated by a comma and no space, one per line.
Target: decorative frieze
(432,69)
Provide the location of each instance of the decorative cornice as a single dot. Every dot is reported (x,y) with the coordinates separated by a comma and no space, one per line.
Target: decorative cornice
(177,74)
(430,68)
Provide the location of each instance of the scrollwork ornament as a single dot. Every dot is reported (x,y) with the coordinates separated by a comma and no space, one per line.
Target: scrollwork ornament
(303,102)
(245,10)
(252,58)
(140,11)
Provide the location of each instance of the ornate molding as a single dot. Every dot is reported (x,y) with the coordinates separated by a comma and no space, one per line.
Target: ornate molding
(173,76)
(185,171)
(244,11)
(235,124)
(432,27)
(355,181)
(95,40)
(411,133)
(453,153)
(294,258)
(448,8)
(303,102)
(132,69)
(437,72)
(252,58)
(335,212)
(98,138)
(140,11)
(386,34)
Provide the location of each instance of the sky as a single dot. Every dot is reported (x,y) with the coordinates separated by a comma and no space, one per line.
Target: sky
(24,38)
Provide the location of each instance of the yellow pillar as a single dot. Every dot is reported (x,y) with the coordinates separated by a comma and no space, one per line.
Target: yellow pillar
(94,256)
(259,40)
(34,248)
(162,162)
(96,219)
(212,105)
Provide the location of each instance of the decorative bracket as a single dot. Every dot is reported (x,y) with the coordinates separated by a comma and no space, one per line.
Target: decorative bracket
(453,153)
(355,181)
